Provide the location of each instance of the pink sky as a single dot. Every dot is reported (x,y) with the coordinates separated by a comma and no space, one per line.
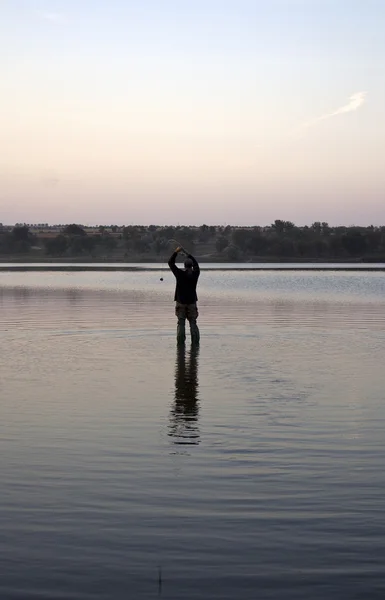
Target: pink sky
(129,115)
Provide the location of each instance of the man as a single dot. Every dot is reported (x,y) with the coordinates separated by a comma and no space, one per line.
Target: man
(186,295)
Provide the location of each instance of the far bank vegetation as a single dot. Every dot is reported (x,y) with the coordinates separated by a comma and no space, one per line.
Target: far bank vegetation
(280,241)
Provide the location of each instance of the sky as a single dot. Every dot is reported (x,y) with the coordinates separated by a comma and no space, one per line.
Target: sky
(192,111)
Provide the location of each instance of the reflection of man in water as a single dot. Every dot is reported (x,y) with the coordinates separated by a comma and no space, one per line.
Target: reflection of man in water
(184,412)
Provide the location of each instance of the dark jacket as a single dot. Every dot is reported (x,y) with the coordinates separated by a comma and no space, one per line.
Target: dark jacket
(186,283)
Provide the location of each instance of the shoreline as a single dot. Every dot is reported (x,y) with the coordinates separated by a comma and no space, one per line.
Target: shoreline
(127,267)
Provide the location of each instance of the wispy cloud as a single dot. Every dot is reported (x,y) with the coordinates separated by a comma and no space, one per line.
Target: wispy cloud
(356,100)
(53,17)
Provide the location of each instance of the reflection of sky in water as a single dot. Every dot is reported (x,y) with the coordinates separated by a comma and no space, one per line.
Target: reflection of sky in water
(340,286)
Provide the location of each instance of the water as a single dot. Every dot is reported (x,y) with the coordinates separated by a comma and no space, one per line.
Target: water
(251,468)
(142,266)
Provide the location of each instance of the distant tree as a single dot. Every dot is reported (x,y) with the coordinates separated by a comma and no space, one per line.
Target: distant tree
(325,228)
(5,243)
(336,248)
(256,242)
(89,242)
(108,242)
(19,240)
(373,239)
(21,233)
(161,245)
(240,237)
(354,242)
(75,245)
(185,234)
(305,248)
(73,229)
(281,227)
(232,252)
(281,240)
(169,232)
(56,246)
(317,227)
(283,247)
(204,233)
(278,226)
(221,243)
(185,237)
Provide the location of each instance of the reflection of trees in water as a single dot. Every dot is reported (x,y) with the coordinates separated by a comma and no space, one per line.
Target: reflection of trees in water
(185,409)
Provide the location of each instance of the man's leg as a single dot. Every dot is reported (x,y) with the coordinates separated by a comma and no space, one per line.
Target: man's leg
(192,317)
(181,331)
(194,330)
(180,311)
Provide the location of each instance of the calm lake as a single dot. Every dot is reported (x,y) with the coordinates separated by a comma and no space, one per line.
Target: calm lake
(252,468)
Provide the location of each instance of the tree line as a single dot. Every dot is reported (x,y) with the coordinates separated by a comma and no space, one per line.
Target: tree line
(282,240)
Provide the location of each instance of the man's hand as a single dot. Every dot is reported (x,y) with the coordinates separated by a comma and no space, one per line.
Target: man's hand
(179,249)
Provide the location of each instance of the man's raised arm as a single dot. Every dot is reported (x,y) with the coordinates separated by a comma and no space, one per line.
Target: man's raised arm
(171,263)
(195,263)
